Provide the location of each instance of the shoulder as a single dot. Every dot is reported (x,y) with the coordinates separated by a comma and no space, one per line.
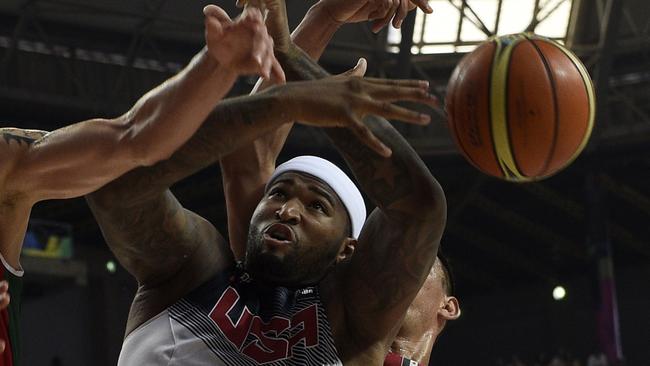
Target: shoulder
(13,141)
(14,144)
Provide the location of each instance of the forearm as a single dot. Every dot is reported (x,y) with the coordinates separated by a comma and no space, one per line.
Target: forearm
(166,117)
(242,193)
(246,171)
(403,177)
(233,123)
(312,36)
(315,31)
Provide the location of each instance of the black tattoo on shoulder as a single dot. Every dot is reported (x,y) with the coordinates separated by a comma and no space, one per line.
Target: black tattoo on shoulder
(8,137)
(28,137)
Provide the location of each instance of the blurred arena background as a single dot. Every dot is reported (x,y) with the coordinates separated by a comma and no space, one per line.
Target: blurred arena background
(511,246)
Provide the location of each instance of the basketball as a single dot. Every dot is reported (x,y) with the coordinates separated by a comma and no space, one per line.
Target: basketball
(520,107)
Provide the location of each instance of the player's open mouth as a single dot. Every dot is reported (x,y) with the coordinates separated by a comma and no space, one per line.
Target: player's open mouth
(279,234)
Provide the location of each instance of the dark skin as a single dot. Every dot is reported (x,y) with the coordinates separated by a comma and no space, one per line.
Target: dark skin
(82,157)
(309,209)
(246,172)
(171,250)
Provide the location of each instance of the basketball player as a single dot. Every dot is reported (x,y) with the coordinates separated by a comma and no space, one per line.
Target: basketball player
(435,303)
(75,160)
(427,315)
(425,319)
(301,297)
(246,171)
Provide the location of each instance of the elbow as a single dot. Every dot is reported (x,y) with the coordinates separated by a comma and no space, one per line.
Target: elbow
(148,156)
(432,203)
(137,147)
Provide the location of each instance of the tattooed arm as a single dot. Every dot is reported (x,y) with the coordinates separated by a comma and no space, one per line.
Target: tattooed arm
(235,122)
(400,239)
(246,171)
(168,249)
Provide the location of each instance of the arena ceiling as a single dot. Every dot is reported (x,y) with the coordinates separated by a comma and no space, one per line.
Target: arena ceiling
(67,60)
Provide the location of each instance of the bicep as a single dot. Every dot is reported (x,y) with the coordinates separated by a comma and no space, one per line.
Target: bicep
(392,260)
(156,238)
(74,160)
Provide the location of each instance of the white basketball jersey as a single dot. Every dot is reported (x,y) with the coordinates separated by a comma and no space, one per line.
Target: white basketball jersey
(228,321)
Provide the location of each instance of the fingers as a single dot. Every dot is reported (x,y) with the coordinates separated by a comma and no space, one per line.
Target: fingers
(359,70)
(271,68)
(267,63)
(216,12)
(216,19)
(423,5)
(401,90)
(262,44)
(381,23)
(402,11)
(414,83)
(252,15)
(395,112)
(366,136)
(380,9)
(4,294)
(4,300)
(213,29)
(388,93)
(249,4)
(2,346)
(257,56)
(277,74)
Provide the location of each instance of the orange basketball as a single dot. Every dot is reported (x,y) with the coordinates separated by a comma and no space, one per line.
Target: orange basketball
(520,107)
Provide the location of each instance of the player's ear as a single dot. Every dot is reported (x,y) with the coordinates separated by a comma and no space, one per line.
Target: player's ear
(346,249)
(450,309)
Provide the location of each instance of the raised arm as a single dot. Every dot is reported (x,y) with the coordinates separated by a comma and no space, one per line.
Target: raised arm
(80,158)
(246,171)
(400,238)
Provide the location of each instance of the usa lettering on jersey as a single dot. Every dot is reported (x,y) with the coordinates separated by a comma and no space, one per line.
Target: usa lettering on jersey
(271,341)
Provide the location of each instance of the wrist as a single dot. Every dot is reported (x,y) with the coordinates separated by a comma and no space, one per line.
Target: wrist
(321,15)
(282,95)
(316,30)
(216,68)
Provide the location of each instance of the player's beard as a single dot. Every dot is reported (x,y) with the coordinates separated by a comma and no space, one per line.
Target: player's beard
(296,268)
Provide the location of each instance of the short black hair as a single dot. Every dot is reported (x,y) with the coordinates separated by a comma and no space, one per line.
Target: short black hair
(448,283)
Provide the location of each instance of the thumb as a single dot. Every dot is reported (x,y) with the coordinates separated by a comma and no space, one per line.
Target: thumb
(359,69)
(216,12)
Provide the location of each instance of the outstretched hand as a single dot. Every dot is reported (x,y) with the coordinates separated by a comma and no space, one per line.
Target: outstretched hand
(344,100)
(379,11)
(242,45)
(277,22)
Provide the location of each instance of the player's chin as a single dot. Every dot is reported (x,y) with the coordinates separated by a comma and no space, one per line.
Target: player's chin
(269,266)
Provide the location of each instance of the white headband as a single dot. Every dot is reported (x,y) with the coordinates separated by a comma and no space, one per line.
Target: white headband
(340,183)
